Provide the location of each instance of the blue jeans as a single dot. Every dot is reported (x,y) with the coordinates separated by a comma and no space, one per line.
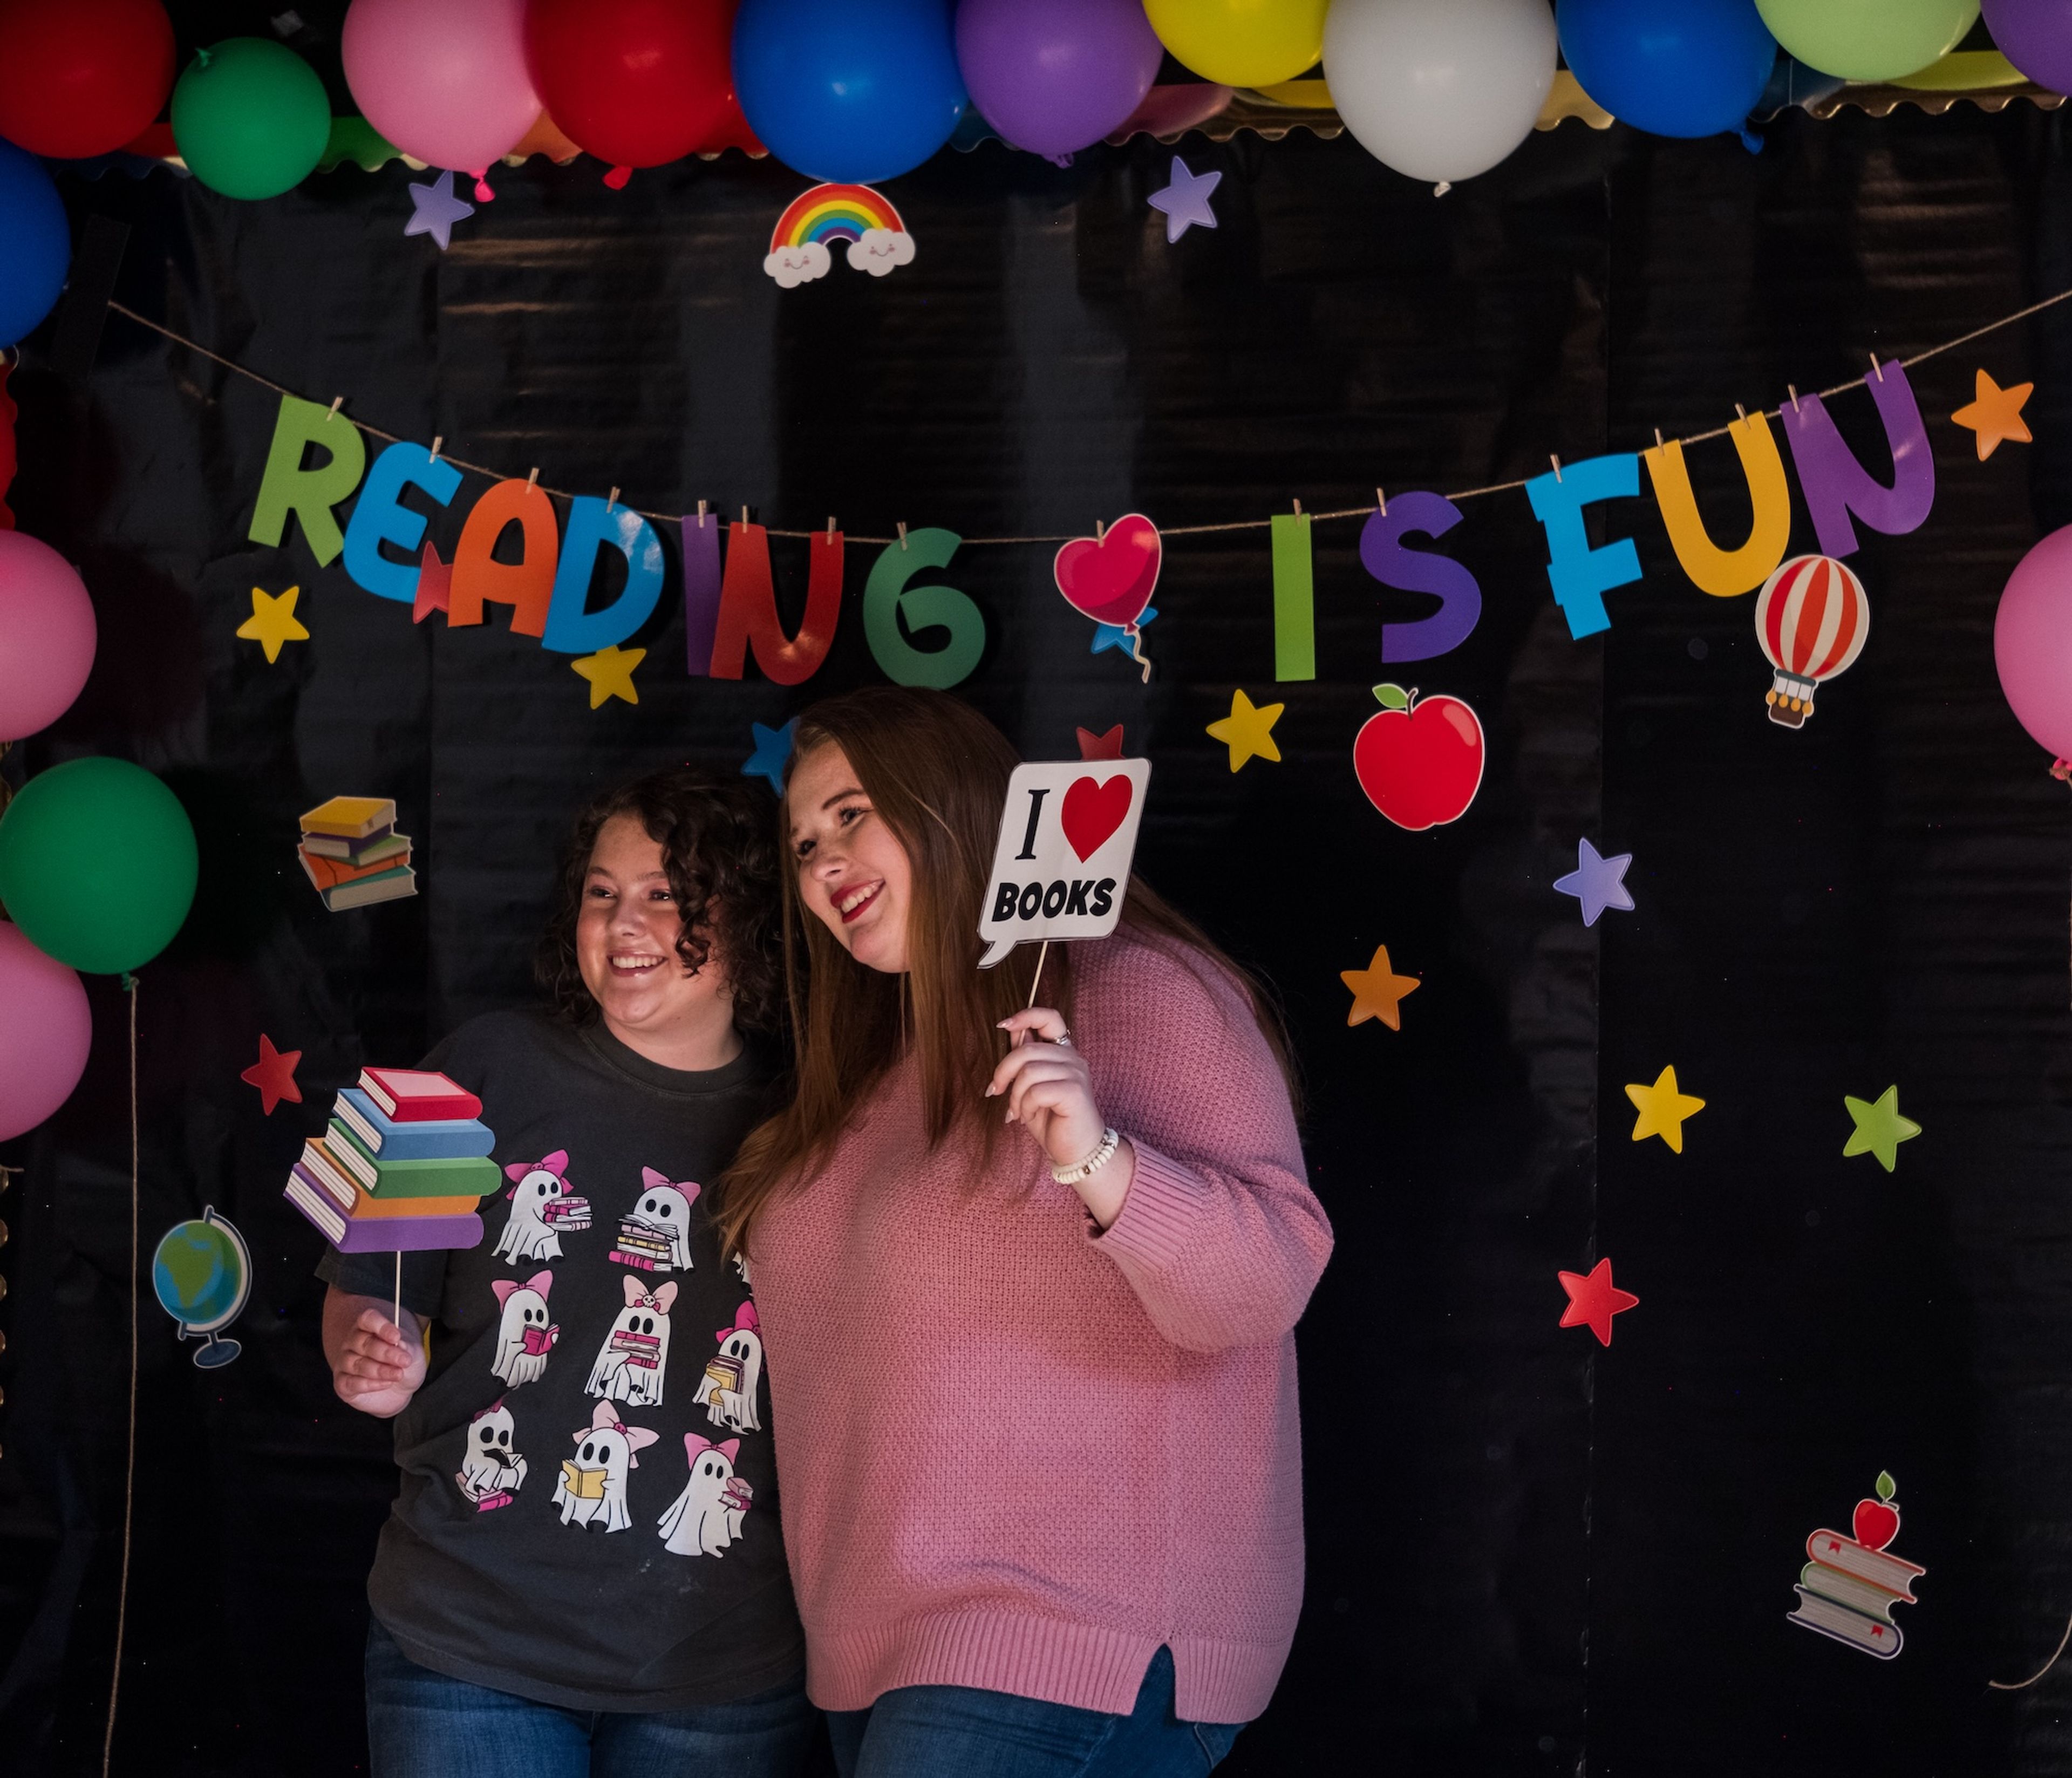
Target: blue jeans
(420,1724)
(957,1731)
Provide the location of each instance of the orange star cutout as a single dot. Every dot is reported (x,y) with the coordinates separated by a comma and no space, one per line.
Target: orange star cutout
(1378,991)
(1996,415)
(274,1075)
(1593,1300)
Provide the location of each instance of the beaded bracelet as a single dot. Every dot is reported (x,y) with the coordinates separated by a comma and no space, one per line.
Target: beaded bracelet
(1103,1153)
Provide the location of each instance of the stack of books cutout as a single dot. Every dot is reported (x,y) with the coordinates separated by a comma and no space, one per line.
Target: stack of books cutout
(1849,1588)
(401,1168)
(352,853)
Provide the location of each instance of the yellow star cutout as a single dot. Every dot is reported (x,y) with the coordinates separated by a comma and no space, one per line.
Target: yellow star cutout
(1662,1110)
(610,672)
(272,622)
(1378,991)
(1995,416)
(1248,730)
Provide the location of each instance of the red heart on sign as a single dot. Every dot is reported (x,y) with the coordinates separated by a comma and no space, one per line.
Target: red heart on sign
(1092,812)
(1111,577)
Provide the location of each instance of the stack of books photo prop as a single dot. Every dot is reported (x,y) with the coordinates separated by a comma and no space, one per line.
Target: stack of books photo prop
(352,854)
(401,1168)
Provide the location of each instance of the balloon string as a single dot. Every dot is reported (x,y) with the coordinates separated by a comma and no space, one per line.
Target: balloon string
(1136,650)
(2001,1685)
(130,1466)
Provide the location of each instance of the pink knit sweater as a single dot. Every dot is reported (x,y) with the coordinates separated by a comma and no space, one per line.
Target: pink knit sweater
(1018,1455)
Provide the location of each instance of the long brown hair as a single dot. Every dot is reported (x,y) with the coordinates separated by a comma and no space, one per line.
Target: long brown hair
(936,772)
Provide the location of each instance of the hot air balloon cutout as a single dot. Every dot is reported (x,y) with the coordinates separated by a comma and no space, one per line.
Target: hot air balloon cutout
(1811,618)
(1110,577)
(202,1273)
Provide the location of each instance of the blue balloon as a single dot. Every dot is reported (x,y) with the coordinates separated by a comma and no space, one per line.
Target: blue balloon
(35,243)
(1672,68)
(845,92)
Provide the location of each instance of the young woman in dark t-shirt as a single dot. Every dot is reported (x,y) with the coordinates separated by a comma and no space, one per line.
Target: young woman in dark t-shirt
(583,1575)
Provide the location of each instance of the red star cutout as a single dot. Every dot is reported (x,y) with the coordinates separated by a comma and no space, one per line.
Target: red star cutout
(1594,1300)
(274,1075)
(1100,746)
(434,585)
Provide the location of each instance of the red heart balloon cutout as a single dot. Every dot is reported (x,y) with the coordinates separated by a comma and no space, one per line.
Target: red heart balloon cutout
(1111,577)
(1091,812)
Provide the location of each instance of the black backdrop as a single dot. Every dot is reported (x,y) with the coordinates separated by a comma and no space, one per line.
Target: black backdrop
(1527,1554)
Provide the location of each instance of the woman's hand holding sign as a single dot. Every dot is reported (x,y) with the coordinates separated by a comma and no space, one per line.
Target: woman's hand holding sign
(1050,1091)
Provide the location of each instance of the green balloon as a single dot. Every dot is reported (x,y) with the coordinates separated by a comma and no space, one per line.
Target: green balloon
(250,118)
(97,864)
(1868,40)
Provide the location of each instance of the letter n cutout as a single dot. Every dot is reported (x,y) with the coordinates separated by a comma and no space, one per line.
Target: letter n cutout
(748,617)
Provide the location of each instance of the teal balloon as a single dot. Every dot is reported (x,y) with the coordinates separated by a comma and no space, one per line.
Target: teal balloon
(201,1275)
(250,118)
(97,864)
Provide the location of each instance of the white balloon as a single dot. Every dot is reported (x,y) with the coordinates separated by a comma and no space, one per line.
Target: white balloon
(1439,90)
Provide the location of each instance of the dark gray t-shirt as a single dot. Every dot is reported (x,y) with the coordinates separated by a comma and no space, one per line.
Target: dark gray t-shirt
(588,1515)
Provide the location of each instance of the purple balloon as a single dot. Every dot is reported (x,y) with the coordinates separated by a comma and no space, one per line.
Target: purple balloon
(2032,642)
(45,1033)
(1054,76)
(2036,35)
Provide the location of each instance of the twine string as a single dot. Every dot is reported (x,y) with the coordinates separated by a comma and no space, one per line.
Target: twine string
(129,1464)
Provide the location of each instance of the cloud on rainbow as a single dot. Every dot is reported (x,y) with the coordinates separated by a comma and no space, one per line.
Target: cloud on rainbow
(802,243)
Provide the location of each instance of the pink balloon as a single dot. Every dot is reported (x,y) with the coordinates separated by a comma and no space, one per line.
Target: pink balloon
(2032,642)
(46,635)
(444,80)
(45,1030)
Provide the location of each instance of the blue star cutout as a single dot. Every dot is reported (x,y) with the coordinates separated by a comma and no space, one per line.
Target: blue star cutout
(1597,883)
(1113,635)
(434,208)
(773,749)
(1185,201)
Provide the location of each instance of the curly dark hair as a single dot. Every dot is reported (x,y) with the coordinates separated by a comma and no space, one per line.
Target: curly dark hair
(718,835)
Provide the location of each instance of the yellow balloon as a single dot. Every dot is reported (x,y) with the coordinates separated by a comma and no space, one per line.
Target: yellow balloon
(1241,43)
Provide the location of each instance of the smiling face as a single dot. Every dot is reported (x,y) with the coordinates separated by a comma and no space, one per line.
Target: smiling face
(853,873)
(626,942)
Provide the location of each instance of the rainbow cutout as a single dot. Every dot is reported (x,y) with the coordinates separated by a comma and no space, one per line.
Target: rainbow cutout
(829,213)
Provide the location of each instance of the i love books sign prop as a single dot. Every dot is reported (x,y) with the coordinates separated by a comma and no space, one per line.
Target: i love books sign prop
(1061,865)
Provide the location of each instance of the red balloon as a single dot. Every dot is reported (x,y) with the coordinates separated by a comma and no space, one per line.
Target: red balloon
(82,77)
(634,82)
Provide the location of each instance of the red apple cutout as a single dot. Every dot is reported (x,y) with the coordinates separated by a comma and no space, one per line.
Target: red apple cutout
(1876,1522)
(1419,762)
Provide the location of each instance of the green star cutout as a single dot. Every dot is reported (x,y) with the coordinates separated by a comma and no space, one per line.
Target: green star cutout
(1880,1129)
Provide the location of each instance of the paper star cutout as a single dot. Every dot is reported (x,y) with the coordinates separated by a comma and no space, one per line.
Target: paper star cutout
(1247,731)
(1185,201)
(434,208)
(610,672)
(434,586)
(1100,746)
(1116,636)
(1378,991)
(1996,415)
(274,1075)
(773,749)
(1880,1129)
(1594,1299)
(272,622)
(1662,1110)
(1597,883)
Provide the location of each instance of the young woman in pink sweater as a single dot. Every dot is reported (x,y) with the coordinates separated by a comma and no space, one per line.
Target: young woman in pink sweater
(1027,1281)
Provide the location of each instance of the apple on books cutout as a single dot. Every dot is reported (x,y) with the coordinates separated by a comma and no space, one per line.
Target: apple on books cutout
(1420,760)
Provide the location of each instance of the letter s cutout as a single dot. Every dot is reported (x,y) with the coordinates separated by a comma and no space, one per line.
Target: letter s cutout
(1384,556)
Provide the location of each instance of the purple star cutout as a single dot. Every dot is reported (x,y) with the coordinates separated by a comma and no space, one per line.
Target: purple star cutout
(1185,201)
(434,208)
(1597,882)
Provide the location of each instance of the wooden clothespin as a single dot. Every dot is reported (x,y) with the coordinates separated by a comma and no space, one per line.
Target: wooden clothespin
(1658,444)
(1298,509)
(1792,390)
(337,402)
(1556,463)
(744,515)
(436,442)
(1877,370)
(532,480)
(701,515)
(1101,530)
(1381,503)
(612,500)
(831,528)
(1741,414)
(902,534)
